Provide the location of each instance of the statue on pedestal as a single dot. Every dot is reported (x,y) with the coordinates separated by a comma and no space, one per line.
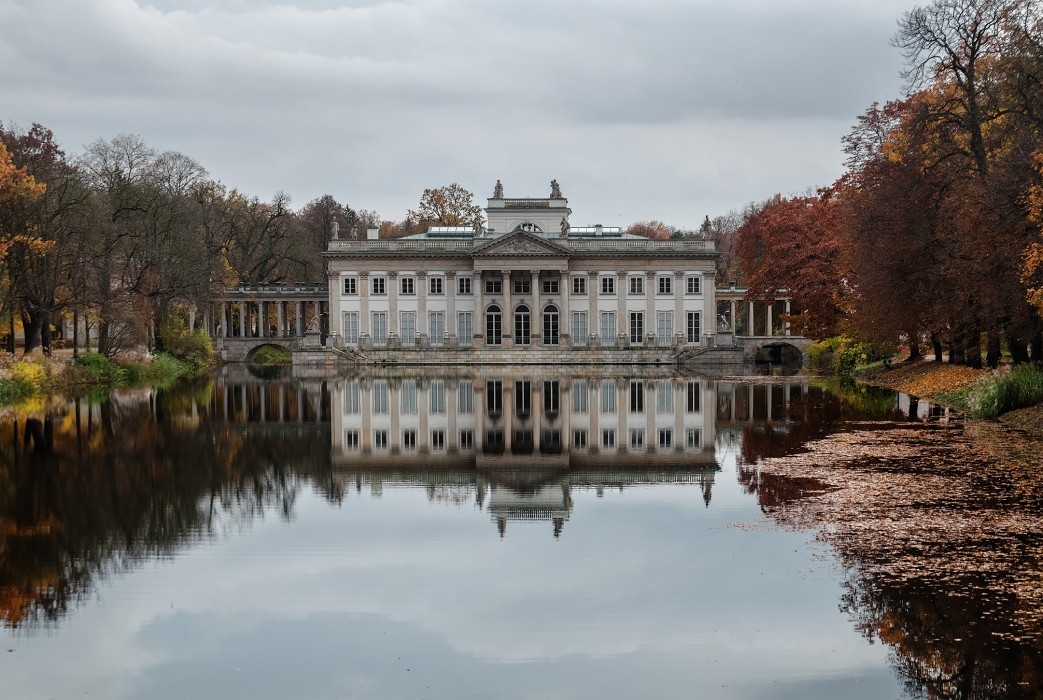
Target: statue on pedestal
(555,190)
(498,190)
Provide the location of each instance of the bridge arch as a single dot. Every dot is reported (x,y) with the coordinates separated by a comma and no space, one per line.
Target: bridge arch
(780,352)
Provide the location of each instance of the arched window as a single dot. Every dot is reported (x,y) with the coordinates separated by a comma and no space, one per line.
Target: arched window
(550,325)
(522,325)
(493,325)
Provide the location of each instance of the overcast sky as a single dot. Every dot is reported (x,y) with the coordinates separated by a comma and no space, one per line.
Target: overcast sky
(658,109)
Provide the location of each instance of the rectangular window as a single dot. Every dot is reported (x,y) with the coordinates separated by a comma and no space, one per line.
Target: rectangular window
(522,286)
(436,285)
(380,439)
(666,437)
(692,394)
(579,438)
(381,403)
(408,286)
(351,439)
(551,396)
(694,437)
(465,397)
(463,285)
(550,286)
(608,438)
(351,326)
(407,323)
(380,327)
(608,396)
(409,439)
(579,285)
(692,285)
(351,286)
(666,285)
(664,398)
(407,394)
(464,327)
(608,327)
(579,327)
(436,326)
(436,396)
(637,326)
(467,439)
(438,439)
(637,397)
(494,397)
(637,437)
(579,396)
(379,286)
(351,398)
(608,285)
(637,285)
(693,327)
(494,286)
(665,327)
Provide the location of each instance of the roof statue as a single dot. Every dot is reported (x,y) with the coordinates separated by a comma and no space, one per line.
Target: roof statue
(498,190)
(335,230)
(565,227)
(477,225)
(555,191)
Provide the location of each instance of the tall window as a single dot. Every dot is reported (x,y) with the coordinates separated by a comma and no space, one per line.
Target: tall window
(522,285)
(351,286)
(494,286)
(351,397)
(664,394)
(579,285)
(551,396)
(464,327)
(436,326)
(463,285)
(407,324)
(666,437)
(522,325)
(436,396)
(493,326)
(579,327)
(692,397)
(693,327)
(665,327)
(608,396)
(637,437)
(381,401)
(637,285)
(666,285)
(608,284)
(409,439)
(494,398)
(608,438)
(637,397)
(436,285)
(408,286)
(608,327)
(465,399)
(380,327)
(691,285)
(379,286)
(637,326)
(579,396)
(550,286)
(351,326)
(550,325)
(407,397)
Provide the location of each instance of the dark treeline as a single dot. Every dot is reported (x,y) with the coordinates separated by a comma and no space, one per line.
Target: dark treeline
(932,236)
(125,237)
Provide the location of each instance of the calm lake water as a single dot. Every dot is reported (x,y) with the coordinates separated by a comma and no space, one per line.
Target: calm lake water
(503,533)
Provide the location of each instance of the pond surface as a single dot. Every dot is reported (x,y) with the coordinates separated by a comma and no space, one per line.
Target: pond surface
(505,533)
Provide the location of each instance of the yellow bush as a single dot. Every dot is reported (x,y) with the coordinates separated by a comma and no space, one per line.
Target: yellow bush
(29,373)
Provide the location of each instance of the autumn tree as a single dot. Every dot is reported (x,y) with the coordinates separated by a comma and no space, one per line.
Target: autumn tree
(652,230)
(450,205)
(319,221)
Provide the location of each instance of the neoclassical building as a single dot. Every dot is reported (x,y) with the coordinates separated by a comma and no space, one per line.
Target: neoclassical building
(528,280)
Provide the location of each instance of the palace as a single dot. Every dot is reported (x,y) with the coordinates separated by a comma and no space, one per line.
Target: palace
(528,280)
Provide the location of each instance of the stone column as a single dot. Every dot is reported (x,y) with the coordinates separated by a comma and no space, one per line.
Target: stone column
(787,331)
(593,312)
(395,407)
(450,305)
(280,329)
(651,319)
(478,316)
(680,318)
(768,312)
(423,400)
(508,311)
(752,328)
(242,319)
(709,314)
(422,324)
(680,439)
(226,318)
(452,438)
(733,311)
(565,320)
(622,319)
(298,318)
(651,403)
(262,319)
(336,287)
(537,310)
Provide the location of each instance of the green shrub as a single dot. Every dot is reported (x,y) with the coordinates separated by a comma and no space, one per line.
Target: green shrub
(996,395)
(98,367)
(842,354)
(269,355)
(191,345)
(12,391)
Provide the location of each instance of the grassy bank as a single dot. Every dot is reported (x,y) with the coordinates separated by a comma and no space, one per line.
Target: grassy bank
(26,377)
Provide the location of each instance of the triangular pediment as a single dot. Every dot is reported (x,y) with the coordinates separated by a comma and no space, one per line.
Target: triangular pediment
(520,243)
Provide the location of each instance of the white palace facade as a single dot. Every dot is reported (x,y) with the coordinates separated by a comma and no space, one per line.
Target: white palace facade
(528,280)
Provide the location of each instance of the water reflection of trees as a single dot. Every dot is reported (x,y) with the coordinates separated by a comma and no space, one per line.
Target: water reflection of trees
(92,490)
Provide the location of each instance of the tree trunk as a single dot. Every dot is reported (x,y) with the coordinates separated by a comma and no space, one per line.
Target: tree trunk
(45,332)
(1017,347)
(957,346)
(936,343)
(31,329)
(1037,348)
(75,333)
(992,355)
(973,339)
(103,337)
(914,347)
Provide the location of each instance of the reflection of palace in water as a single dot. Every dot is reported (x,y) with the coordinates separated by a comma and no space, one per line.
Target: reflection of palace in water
(521,440)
